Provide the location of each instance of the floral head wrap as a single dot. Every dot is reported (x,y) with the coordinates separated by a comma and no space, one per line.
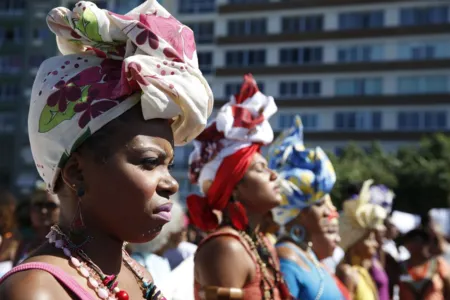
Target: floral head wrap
(224,151)
(307,175)
(109,64)
(359,216)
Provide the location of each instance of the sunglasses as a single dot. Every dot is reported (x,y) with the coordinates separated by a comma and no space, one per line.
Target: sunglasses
(46,205)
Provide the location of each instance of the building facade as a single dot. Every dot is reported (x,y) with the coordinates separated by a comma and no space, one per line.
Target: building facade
(25,42)
(354,70)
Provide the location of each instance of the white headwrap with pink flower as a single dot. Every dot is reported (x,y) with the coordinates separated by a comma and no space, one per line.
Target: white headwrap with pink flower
(109,64)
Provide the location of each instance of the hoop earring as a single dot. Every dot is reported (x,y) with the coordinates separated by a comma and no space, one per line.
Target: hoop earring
(297,234)
(77,225)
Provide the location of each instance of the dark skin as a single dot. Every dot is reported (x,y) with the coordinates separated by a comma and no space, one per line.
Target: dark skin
(129,184)
(320,229)
(421,253)
(231,266)
(365,249)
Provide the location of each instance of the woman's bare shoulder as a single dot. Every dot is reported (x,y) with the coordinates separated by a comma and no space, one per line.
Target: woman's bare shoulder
(223,261)
(30,285)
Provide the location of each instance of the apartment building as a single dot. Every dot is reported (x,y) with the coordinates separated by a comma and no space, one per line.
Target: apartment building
(354,70)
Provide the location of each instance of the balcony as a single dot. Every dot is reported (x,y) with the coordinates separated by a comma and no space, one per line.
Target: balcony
(334,35)
(337,68)
(243,7)
(361,101)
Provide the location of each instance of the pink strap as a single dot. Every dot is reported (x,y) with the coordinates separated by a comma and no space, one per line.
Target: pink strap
(58,273)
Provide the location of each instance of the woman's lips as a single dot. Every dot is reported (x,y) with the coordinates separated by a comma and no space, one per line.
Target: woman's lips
(163,212)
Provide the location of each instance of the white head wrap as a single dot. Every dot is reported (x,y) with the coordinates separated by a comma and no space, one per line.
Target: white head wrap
(109,64)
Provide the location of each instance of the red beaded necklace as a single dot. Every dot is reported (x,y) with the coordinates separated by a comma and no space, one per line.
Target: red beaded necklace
(106,286)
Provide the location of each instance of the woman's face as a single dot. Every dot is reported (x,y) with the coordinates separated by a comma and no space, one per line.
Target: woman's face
(367,247)
(258,189)
(321,223)
(44,211)
(127,194)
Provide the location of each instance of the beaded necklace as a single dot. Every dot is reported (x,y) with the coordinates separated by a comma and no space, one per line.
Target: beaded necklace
(105,286)
(264,259)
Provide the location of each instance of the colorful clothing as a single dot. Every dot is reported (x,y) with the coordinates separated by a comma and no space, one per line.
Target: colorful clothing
(365,287)
(424,282)
(308,284)
(381,280)
(308,174)
(252,290)
(109,64)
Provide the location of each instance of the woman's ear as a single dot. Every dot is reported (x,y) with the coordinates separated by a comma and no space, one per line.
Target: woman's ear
(71,173)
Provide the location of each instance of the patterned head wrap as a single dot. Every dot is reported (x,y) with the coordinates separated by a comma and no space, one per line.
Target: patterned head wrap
(224,151)
(359,217)
(109,64)
(307,175)
(382,196)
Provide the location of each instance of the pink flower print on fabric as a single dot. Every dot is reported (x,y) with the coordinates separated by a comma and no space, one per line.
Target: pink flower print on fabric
(92,110)
(177,35)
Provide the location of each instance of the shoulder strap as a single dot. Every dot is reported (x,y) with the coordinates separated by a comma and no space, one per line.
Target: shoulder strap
(63,278)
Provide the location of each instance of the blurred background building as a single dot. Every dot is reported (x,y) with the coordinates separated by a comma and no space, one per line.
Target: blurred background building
(354,70)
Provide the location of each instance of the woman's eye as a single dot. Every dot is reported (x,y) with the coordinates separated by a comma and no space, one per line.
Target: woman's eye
(149,163)
(171,165)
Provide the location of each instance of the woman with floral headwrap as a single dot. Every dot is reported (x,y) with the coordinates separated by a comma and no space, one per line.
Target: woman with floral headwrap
(306,214)
(103,121)
(236,261)
(358,226)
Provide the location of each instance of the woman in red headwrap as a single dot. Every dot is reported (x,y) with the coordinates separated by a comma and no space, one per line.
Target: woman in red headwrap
(236,261)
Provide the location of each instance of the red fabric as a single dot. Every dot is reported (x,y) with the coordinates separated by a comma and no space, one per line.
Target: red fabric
(249,89)
(243,118)
(230,172)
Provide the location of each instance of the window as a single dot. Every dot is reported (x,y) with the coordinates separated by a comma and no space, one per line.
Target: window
(302,24)
(423,84)
(10,64)
(422,120)
(360,53)
(196,6)
(247,27)
(234,88)
(204,32)
(425,50)
(241,58)
(36,60)
(12,7)
(306,55)
(247,1)
(291,89)
(361,20)
(359,86)
(181,158)
(40,33)
(11,35)
(413,16)
(9,92)
(309,121)
(358,121)
(205,62)
(7,121)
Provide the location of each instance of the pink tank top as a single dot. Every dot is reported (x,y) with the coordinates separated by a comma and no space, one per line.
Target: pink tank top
(252,290)
(64,279)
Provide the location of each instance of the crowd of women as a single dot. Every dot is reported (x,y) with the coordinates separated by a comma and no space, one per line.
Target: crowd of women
(104,119)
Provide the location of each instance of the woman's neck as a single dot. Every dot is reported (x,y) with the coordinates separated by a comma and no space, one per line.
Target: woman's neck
(254,221)
(104,250)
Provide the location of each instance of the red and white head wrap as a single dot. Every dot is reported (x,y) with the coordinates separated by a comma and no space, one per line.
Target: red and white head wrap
(224,151)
